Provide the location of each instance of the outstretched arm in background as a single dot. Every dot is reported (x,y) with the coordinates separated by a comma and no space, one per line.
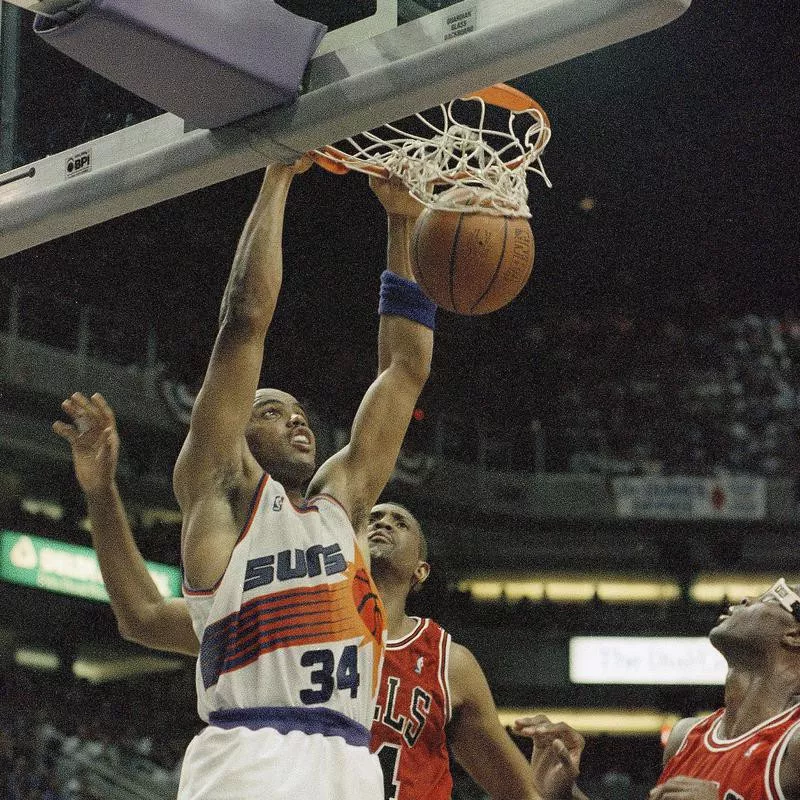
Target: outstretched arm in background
(143,615)
(357,474)
(556,756)
(478,741)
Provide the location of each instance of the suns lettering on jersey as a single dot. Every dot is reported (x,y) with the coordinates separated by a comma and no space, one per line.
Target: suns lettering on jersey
(291,564)
(410,725)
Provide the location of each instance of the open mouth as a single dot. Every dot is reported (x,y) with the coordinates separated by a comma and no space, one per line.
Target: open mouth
(301,440)
(380,536)
(726,613)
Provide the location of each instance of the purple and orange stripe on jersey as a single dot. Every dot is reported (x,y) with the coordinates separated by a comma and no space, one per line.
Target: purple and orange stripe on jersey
(293,617)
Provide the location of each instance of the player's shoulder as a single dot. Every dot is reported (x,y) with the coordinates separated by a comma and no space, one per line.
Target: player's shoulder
(678,734)
(464,673)
(461,658)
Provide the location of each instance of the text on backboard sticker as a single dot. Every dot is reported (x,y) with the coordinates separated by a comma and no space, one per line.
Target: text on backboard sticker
(461,21)
(78,163)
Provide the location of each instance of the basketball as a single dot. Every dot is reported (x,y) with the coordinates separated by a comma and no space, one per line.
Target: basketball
(471,262)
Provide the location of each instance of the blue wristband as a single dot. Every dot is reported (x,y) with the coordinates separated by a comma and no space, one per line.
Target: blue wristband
(403,298)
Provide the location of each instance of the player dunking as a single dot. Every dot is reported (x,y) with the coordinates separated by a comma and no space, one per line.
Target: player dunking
(289,621)
(750,749)
(275,581)
(427,682)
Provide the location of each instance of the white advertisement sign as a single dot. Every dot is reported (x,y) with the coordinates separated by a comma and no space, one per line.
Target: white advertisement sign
(645,660)
(741,497)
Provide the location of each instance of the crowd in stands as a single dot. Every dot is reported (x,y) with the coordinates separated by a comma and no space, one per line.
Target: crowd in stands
(591,392)
(619,394)
(699,400)
(56,731)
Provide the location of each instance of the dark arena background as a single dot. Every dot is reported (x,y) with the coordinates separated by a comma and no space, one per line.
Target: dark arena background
(613,455)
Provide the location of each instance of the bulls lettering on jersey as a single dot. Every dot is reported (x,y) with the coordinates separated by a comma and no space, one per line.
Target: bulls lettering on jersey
(296,619)
(747,767)
(413,708)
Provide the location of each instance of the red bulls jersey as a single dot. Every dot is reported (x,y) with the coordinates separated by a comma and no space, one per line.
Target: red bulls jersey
(747,767)
(408,731)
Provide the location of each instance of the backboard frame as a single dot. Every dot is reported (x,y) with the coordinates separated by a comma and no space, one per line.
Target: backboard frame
(348,90)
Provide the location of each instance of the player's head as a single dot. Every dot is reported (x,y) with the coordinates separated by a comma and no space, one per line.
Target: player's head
(758,629)
(397,545)
(280,438)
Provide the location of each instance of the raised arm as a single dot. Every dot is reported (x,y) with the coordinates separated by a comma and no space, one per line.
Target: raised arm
(358,473)
(478,740)
(215,463)
(142,614)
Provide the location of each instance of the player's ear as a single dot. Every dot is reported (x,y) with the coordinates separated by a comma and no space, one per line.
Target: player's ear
(420,575)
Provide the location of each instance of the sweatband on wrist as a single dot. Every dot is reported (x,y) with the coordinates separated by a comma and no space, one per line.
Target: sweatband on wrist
(403,298)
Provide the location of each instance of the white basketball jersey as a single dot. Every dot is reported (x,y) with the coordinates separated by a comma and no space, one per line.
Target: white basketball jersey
(296,620)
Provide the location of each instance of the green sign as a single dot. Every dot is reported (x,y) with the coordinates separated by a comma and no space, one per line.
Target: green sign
(67,568)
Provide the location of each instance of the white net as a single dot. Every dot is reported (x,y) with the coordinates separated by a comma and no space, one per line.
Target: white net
(456,145)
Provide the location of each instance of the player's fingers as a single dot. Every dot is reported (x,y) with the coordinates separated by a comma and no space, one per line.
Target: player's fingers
(79,408)
(669,791)
(546,731)
(103,407)
(65,431)
(302,164)
(80,400)
(70,406)
(680,782)
(531,722)
(565,757)
(543,736)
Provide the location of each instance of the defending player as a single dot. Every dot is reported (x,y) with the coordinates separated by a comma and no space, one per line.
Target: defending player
(750,748)
(429,685)
(276,582)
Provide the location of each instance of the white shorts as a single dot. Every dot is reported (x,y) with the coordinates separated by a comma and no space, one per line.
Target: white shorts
(243,764)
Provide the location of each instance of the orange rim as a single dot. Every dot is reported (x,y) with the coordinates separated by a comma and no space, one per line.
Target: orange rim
(499,94)
(505,96)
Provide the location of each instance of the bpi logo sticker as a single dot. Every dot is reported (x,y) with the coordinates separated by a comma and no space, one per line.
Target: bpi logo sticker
(78,163)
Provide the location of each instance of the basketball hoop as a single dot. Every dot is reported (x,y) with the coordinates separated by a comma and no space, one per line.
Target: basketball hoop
(450,152)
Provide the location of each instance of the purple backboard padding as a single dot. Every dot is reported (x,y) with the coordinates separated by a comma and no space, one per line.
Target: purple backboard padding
(207,61)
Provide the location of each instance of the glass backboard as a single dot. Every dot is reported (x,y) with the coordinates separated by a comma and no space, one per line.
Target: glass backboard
(77,150)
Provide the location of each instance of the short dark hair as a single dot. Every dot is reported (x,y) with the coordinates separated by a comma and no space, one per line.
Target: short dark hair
(423,540)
